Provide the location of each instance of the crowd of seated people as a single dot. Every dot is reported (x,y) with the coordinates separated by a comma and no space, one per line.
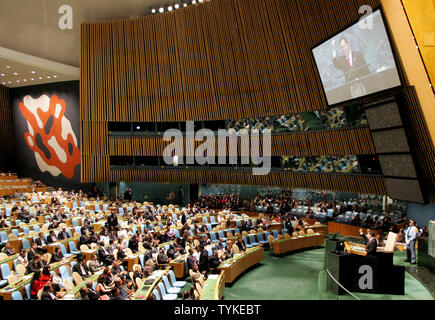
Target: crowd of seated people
(157,241)
(346,164)
(237,127)
(321,164)
(261,125)
(294,164)
(355,212)
(292,123)
(334,118)
(158,244)
(219,201)
(298,122)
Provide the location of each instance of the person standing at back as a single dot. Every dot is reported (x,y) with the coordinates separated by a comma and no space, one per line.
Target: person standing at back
(180,196)
(410,239)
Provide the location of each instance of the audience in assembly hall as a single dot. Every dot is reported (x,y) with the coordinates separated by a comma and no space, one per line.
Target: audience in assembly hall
(353,212)
(158,241)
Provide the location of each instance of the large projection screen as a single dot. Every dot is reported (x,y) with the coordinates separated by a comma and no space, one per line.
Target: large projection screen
(357,61)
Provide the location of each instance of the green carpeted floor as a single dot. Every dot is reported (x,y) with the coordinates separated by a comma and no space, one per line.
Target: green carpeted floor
(299,275)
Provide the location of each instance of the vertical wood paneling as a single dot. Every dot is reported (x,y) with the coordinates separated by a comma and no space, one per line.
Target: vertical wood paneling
(6,131)
(224,59)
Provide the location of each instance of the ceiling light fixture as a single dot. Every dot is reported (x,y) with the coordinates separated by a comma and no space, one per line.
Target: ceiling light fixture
(161,10)
(15,74)
(33,72)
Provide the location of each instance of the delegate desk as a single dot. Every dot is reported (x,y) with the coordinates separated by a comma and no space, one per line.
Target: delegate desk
(146,290)
(214,287)
(276,226)
(134,259)
(179,264)
(89,253)
(17,243)
(74,294)
(345,229)
(52,246)
(319,228)
(296,243)
(233,267)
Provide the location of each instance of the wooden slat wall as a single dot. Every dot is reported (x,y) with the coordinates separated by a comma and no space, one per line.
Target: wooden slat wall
(6,131)
(419,141)
(224,59)
(336,142)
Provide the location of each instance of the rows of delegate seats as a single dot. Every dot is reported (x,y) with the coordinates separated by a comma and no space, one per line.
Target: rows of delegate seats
(76,228)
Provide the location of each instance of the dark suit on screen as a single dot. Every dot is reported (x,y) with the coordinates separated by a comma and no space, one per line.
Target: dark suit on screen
(358,69)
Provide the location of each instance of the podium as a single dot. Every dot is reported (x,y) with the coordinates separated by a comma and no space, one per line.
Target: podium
(366,274)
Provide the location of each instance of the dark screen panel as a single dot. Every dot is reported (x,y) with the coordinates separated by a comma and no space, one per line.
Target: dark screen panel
(403,189)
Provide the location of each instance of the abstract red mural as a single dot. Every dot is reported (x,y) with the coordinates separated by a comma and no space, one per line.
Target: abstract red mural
(50,135)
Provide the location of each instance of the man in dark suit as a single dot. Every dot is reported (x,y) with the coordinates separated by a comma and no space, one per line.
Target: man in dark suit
(241,244)
(289,226)
(51,237)
(41,242)
(48,292)
(133,244)
(191,261)
(84,239)
(24,216)
(372,244)
(112,221)
(62,234)
(352,63)
(203,260)
(162,258)
(104,255)
(364,236)
(214,261)
(35,264)
(183,218)
(81,268)
(33,251)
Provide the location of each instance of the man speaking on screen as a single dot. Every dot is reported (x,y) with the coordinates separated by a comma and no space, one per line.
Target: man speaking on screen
(352,63)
